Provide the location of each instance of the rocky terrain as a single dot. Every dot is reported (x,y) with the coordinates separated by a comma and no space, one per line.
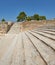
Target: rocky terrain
(5,26)
(29,43)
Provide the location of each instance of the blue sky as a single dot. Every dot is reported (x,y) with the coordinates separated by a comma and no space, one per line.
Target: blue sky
(9,9)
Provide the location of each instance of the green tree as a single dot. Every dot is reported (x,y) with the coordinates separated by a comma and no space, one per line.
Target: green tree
(36,17)
(28,18)
(3,20)
(42,17)
(21,16)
